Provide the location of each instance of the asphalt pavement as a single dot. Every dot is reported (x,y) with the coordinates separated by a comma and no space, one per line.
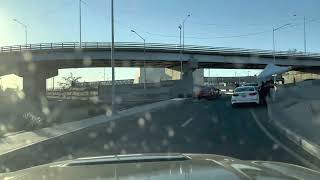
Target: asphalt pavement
(212,127)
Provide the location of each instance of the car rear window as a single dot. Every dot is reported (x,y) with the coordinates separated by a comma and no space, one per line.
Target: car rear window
(244,89)
(252,84)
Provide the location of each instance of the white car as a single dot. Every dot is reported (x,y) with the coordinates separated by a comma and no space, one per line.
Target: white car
(245,94)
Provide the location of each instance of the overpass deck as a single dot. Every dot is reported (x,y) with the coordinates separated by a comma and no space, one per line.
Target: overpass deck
(157,47)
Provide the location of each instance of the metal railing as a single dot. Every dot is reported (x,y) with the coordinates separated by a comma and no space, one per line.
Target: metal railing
(154,46)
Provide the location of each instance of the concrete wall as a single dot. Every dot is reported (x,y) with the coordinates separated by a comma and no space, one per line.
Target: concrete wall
(290,76)
(297,107)
(136,92)
(155,75)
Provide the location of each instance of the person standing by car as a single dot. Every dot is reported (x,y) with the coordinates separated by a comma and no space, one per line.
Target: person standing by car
(263,92)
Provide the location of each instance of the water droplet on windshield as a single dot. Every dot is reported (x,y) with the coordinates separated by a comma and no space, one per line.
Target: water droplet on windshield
(147,116)
(87,61)
(27,56)
(275,146)
(93,135)
(170,132)
(141,122)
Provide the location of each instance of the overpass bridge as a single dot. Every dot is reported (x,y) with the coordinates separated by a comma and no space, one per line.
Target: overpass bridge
(37,62)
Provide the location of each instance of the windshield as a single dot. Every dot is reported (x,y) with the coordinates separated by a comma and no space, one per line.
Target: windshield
(83,78)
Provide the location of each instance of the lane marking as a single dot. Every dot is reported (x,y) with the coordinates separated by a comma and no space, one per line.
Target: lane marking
(186,122)
(286,148)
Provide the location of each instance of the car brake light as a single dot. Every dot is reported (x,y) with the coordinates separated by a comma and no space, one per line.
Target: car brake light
(253,94)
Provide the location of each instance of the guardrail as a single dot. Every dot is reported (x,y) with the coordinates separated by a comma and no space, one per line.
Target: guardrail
(153,46)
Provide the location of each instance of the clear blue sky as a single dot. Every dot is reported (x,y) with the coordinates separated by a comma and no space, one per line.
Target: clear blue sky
(212,23)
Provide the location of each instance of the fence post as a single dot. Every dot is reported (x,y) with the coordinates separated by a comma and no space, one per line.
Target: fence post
(62,45)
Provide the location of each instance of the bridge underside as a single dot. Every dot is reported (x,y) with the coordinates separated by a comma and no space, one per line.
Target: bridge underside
(45,63)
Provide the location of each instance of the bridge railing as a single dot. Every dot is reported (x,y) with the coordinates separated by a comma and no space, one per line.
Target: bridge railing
(153,46)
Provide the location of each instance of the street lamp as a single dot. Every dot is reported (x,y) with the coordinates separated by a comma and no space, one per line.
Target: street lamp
(80,22)
(304,33)
(112,60)
(183,22)
(25,29)
(180,51)
(181,27)
(273,43)
(144,61)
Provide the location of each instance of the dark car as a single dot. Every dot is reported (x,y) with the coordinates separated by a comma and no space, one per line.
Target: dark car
(164,166)
(208,92)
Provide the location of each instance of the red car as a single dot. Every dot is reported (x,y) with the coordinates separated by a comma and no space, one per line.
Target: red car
(208,92)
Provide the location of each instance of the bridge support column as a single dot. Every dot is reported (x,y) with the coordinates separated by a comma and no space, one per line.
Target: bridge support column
(34,83)
(192,79)
(34,86)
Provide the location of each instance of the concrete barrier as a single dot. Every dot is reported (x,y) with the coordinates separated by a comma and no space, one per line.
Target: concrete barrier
(42,146)
(295,112)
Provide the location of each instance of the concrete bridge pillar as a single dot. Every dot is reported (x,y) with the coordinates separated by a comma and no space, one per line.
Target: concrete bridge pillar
(34,86)
(34,82)
(192,79)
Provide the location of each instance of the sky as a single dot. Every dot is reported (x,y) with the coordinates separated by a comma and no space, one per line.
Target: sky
(219,23)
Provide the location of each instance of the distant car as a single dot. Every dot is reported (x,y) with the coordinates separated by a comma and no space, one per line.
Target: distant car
(208,92)
(245,94)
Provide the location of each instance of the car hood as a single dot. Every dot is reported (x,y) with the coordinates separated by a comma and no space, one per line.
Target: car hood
(164,166)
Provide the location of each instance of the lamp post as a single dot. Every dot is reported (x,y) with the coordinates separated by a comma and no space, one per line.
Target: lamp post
(180,50)
(25,29)
(144,61)
(273,40)
(304,33)
(80,22)
(80,26)
(273,44)
(112,59)
(183,26)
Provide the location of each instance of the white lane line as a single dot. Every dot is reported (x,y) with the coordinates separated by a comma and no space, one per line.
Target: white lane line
(186,123)
(274,139)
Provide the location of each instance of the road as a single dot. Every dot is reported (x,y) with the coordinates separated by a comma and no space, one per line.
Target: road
(193,127)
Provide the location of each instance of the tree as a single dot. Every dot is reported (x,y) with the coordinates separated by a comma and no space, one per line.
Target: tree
(69,83)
